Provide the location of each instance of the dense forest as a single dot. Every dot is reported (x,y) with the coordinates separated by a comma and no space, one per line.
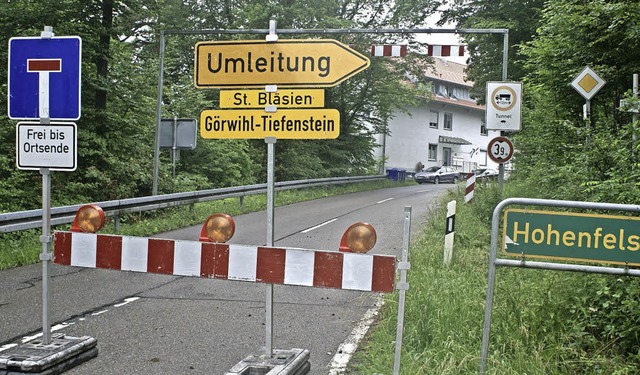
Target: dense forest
(550,42)
(562,155)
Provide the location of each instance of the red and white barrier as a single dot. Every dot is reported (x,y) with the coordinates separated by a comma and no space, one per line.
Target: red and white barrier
(375,273)
(389,50)
(471,184)
(445,50)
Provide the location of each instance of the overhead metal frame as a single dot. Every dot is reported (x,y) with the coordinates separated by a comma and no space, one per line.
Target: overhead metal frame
(164,33)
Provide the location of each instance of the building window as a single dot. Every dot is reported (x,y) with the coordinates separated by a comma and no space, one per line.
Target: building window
(460,93)
(448,121)
(433,119)
(483,127)
(483,158)
(433,151)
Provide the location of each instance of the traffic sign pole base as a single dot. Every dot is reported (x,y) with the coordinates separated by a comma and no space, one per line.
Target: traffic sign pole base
(283,362)
(34,357)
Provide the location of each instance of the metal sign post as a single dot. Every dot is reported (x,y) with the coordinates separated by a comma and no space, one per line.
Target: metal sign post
(44,84)
(45,255)
(587,84)
(534,234)
(271,142)
(402,286)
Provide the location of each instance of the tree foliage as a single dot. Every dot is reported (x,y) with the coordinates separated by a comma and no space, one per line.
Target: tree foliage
(598,153)
(116,133)
(593,159)
(520,17)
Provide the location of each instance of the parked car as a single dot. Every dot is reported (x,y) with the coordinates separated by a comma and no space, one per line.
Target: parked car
(486,173)
(437,175)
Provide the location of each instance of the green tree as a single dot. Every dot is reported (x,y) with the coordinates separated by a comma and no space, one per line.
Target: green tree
(119,89)
(595,155)
(594,160)
(521,17)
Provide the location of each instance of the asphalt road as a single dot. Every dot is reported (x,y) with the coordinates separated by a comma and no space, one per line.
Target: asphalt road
(159,324)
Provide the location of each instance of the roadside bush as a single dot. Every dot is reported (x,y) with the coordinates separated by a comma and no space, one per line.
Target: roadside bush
(606,322)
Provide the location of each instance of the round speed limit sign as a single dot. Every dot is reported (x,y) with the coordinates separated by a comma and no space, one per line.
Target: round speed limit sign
(500,149)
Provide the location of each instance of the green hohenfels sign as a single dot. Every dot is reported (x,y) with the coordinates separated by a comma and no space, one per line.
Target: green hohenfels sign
(572,236)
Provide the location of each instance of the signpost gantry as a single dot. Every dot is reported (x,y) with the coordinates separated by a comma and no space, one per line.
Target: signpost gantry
(271,65)
(271,33)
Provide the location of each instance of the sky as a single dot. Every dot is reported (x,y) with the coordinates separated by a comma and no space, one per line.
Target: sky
(444,39)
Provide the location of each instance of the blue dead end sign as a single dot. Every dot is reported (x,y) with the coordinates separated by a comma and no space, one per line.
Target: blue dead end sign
(44,78)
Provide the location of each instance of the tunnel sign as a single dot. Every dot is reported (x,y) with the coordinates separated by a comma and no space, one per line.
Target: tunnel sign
(286,63)
(258,124)
(44,78)
(504,104)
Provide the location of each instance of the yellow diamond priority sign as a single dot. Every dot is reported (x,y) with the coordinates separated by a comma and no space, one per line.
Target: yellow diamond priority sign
(286,63)
(588,83)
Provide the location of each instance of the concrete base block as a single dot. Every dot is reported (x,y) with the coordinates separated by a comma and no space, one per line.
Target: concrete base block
(61,354)
(282,362)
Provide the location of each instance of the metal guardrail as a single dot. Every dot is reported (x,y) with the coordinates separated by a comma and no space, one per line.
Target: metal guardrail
(22,220)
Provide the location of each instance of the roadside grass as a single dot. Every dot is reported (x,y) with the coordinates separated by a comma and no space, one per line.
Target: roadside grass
(23,247)
(532,328)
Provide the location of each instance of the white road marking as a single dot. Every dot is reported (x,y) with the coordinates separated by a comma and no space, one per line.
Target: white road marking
(8,346)
(346,350)
(63,325)
(384,200)
(126,300)
(319,225)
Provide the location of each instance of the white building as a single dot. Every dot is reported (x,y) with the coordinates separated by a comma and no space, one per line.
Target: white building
(448,129)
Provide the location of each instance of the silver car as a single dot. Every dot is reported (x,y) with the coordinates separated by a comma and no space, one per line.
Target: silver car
(437,175)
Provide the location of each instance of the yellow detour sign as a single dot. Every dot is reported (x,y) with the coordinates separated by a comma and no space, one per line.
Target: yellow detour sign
(286,63)
(283,124)
(280,99)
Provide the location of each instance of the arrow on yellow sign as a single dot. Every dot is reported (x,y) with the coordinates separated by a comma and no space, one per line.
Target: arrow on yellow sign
(286,63)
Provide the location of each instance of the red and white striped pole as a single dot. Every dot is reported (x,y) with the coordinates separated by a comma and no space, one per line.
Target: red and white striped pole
(471,183)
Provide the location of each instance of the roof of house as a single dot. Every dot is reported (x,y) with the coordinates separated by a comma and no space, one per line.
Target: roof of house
(469,104)
(451,72)
(448,71)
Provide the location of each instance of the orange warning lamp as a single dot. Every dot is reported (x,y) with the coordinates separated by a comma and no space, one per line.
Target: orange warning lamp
(89,219)
(358,238)
(218,228)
